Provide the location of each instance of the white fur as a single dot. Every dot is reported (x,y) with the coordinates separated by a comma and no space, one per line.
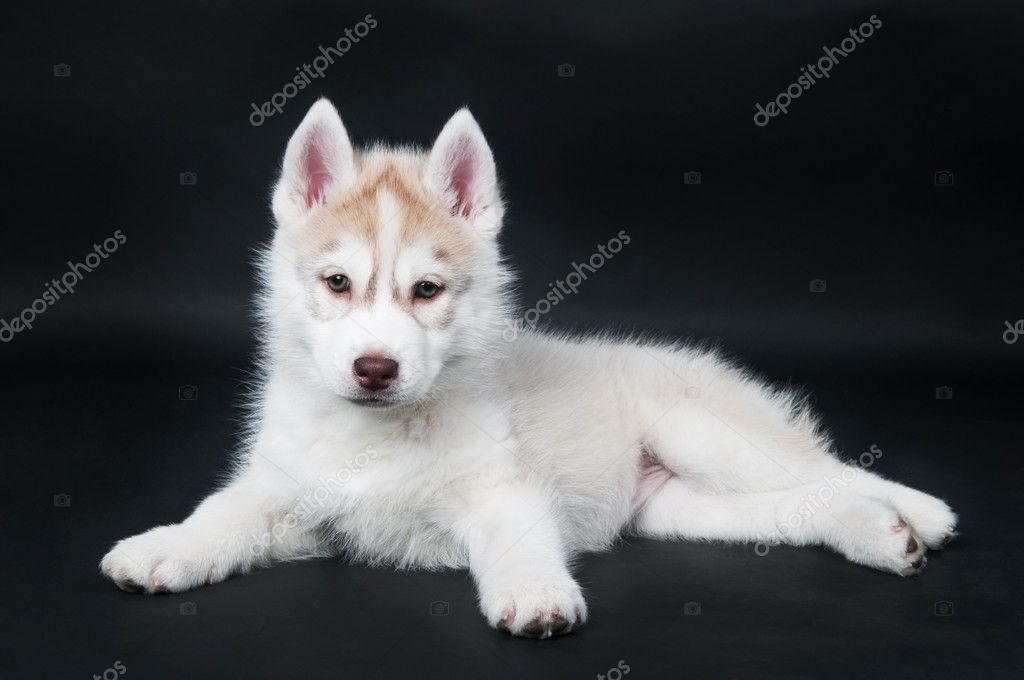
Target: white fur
(504,458)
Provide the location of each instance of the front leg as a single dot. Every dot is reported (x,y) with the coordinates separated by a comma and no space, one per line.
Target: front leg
(228,533)
(519,562)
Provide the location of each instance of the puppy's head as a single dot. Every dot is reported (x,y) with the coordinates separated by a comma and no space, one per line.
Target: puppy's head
(384,268)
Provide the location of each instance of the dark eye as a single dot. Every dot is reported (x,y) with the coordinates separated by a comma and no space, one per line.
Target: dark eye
(338,283)
(427,289)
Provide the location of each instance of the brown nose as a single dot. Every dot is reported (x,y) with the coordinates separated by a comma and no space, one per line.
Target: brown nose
(375,373)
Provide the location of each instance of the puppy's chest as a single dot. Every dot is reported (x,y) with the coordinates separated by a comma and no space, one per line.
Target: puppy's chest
(395,510)
(395,498)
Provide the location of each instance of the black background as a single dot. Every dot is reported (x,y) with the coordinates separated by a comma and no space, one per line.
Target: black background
(920,279)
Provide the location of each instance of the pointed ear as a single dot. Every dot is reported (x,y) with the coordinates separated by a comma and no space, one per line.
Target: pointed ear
(461,169)
(318,163)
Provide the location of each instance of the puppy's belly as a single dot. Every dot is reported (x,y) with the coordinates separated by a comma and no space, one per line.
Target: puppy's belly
(652,476)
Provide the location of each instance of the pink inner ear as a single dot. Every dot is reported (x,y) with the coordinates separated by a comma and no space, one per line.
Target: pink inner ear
(314,167)
(463,166)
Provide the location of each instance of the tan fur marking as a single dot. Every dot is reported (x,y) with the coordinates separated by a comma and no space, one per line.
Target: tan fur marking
(399,296)
(423,214)
(371,286)
(356,217)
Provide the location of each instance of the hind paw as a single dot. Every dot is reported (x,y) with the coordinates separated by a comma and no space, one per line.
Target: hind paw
(873,533)
(932,519)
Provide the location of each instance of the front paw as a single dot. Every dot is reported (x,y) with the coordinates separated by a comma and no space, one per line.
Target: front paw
(163,559)
(536,609)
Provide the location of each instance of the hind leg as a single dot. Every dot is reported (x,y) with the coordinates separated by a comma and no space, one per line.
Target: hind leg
(931,517)
(743,439)
(863,529)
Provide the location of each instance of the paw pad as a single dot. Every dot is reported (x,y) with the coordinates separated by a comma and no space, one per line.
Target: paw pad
(912,545)
(538,627)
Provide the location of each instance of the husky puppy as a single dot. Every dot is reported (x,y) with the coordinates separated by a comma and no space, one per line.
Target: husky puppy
(398,423)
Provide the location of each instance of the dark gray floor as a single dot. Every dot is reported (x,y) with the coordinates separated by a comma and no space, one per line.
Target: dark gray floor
(130,454)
